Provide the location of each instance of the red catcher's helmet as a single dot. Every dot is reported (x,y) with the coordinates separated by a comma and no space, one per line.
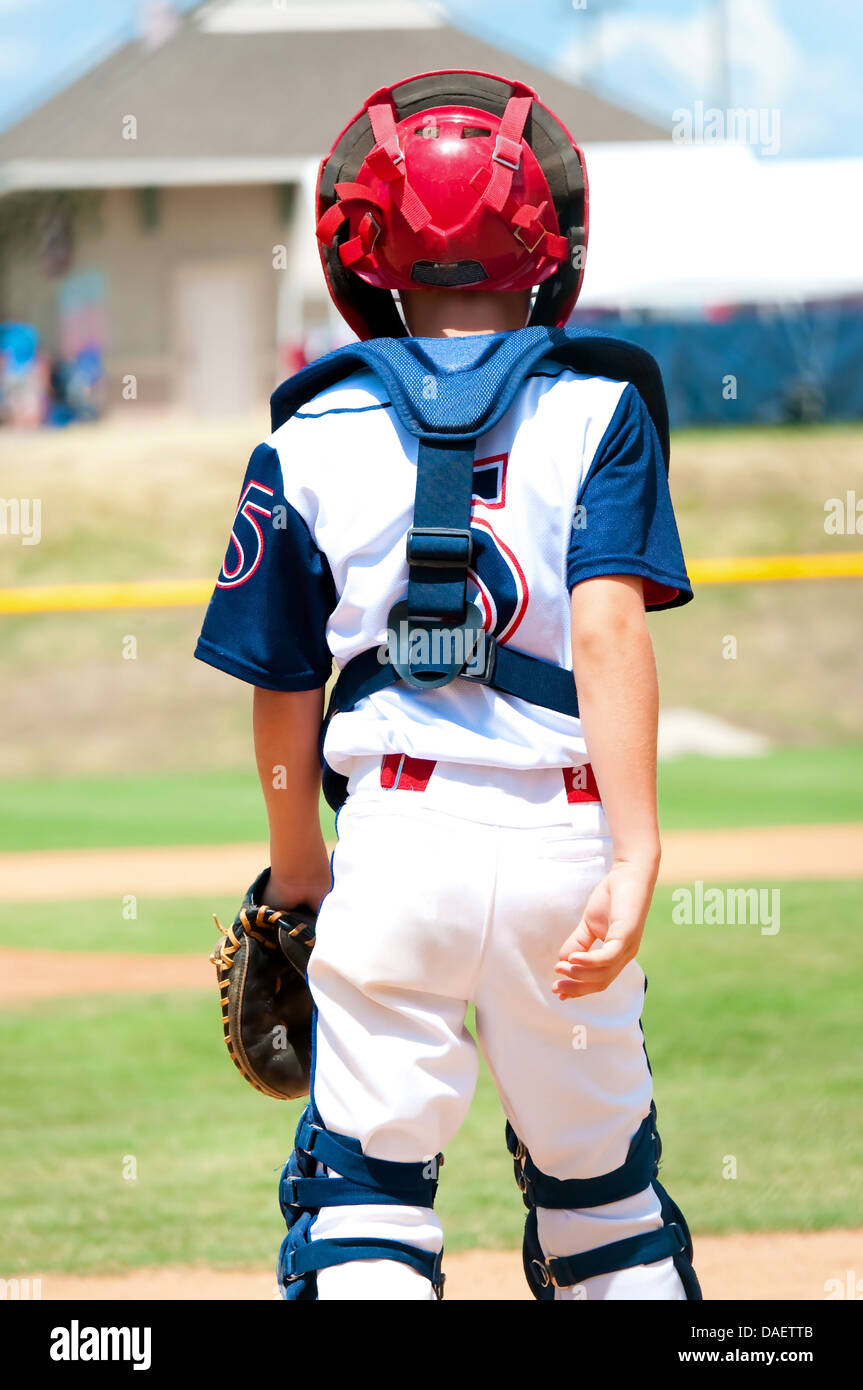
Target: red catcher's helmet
(451,179)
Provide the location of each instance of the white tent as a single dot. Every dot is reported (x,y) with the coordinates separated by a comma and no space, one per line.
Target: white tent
(686,225)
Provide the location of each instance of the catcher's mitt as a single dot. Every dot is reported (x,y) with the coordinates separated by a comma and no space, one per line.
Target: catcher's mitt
(261,965)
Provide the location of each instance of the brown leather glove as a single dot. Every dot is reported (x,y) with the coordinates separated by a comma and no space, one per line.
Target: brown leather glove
(261,965)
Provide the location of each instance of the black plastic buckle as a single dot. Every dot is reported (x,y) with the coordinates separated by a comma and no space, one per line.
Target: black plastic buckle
(289,1186)
(436,553)
(544,1273)
(487,648)
(427,653)
(438,1278)
(677,1230)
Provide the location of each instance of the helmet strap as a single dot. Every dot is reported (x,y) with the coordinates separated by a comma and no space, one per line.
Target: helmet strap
(506,158)
(387,161)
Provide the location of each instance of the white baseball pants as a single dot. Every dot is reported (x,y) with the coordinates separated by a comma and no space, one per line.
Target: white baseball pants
(464,892)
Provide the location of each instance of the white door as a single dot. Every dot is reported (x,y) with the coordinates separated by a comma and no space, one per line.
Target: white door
(216,337)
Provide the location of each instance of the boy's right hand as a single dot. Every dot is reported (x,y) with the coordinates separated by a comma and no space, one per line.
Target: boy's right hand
(308,890)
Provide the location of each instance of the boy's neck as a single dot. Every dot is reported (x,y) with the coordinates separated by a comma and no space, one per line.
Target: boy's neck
(443,313)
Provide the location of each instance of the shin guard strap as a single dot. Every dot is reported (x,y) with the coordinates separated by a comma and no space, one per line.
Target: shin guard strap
(298,1260)
(648,1248)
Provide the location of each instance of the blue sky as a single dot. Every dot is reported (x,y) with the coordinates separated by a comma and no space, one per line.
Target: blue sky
(655,56)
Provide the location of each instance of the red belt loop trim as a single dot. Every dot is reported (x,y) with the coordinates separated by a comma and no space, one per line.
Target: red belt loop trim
(404,774)
(580,783)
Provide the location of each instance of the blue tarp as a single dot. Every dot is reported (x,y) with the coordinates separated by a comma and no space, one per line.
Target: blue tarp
(754,365)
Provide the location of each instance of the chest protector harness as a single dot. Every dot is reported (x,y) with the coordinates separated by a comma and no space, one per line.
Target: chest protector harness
(447,392)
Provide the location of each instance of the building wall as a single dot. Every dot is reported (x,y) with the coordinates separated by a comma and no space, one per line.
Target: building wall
(229,231)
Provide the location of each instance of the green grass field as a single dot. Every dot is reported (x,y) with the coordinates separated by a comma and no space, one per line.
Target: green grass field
(163,926)
(786,787)
(753,1040)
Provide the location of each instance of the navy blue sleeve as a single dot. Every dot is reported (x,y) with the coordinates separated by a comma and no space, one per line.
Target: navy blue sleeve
(625,521)
(266,622)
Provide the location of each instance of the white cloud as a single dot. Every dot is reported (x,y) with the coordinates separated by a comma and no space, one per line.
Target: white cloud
(823,111)
(660,63)
(679,46)
(765,59)
(763,56)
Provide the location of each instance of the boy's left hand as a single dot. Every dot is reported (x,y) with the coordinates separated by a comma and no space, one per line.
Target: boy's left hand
(615,914)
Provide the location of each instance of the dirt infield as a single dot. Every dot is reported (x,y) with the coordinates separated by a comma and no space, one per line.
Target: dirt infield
(27,975)
(764,853)
(758,1267)
(759,853)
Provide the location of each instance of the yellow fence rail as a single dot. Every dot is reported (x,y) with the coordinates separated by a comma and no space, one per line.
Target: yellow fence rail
(759,569)
(88,598)
(194,593)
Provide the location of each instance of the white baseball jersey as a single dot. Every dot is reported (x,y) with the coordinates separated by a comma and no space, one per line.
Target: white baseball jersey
(568,485)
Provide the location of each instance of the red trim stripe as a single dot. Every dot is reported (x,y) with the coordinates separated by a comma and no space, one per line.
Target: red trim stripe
(580,783)
(404,774)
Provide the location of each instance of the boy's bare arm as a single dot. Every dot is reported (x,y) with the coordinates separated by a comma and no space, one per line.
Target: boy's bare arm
(286,727)
(615,674)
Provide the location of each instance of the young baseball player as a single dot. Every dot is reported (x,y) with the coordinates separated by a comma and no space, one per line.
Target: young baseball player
(469,513)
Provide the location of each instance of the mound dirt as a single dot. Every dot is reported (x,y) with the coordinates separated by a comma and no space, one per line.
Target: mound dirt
(811,1266)
(760,853)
